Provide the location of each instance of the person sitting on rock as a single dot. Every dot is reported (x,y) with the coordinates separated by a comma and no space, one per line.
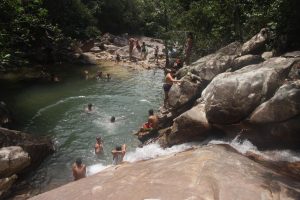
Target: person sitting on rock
(118,154)
(98,146)
(78,169)
(169,80)
(152,122)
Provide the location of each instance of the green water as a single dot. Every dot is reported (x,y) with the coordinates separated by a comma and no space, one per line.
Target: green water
(57,110)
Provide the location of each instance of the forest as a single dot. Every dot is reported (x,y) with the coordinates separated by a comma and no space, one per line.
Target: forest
(29,27)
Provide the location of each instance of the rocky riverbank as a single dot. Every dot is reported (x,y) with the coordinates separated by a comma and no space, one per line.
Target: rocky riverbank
(109,46)
(19,154)
(238,90)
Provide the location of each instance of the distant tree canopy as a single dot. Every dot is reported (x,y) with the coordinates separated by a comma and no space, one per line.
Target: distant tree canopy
(29,26)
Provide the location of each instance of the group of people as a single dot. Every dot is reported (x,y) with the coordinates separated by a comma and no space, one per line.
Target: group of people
(99,75)
(141,49)
(118,153)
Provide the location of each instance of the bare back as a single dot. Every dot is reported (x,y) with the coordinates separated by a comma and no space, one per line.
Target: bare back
(79,171)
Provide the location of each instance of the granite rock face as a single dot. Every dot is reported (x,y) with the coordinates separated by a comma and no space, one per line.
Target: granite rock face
(231,97)
(211,172)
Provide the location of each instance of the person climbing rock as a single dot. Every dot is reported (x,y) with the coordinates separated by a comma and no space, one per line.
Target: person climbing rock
(118,154)
(78,169)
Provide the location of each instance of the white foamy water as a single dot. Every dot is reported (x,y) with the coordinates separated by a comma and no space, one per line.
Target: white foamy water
(93,169)
(147,152)
(244,146)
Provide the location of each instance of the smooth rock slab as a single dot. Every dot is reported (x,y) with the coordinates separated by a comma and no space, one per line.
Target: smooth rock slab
(211,172)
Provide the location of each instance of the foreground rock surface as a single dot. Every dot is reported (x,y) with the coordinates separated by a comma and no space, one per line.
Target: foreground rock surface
(212,172)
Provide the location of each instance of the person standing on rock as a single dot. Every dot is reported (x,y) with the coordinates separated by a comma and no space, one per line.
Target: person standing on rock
(118,154)
(156,54)
(78,169)
(169,80)
(144,51)
(131,45)
(188,48)
(137,45)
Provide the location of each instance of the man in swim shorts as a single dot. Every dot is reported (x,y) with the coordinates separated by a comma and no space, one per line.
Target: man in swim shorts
(169,80)
(78,169)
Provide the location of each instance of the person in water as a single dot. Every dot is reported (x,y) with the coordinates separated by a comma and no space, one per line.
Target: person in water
(78,169)
(99,75)
(108,77)
(118,154)
(98,146)
(112,119)
(152,122)
(86,74)
(89,108)
(169,80)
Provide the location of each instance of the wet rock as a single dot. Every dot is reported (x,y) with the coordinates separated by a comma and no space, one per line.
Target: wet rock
(189,126)
(284,105)
(232,96)
(256,44)
(211,172)
(13,159)
(38,148)
(6,184)
(245,60)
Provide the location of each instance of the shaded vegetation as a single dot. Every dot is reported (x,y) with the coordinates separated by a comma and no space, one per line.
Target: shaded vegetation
(40,30)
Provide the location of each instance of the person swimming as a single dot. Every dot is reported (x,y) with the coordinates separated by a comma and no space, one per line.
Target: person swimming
(89,108)
(112,119)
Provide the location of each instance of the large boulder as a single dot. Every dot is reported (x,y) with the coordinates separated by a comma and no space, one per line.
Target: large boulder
(284,105)
(211,65)
(38,148)
(184,92)
(13,160)
(232,96)
(245,60)
(211,172)
(256,44)
(189,126)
